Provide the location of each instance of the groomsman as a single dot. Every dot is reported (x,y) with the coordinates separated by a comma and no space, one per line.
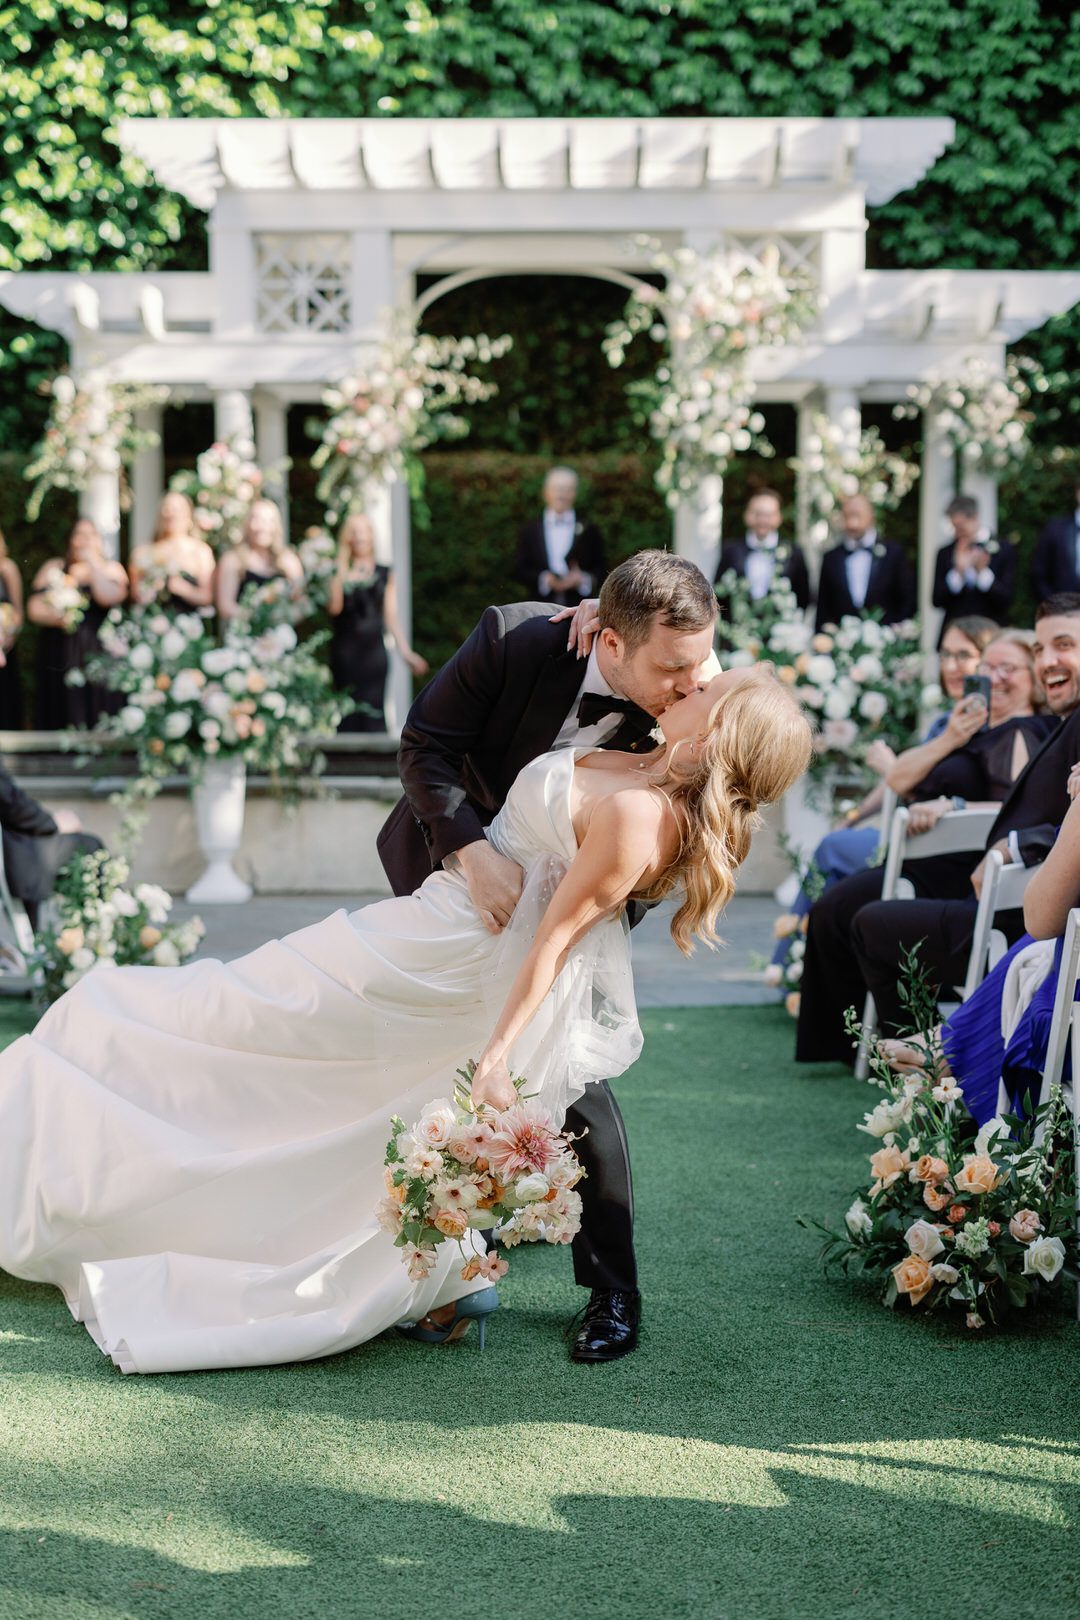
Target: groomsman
(1056,563)
(761,551)
(560,558)
(864,571)
(975,572)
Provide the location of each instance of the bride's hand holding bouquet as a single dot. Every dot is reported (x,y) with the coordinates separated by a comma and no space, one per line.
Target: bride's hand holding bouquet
(492,1084)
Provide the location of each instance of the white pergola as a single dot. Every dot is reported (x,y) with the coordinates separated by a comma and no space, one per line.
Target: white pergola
(316,225)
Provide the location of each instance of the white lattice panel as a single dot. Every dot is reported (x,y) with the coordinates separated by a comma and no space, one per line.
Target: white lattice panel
(797,252)
(303,281)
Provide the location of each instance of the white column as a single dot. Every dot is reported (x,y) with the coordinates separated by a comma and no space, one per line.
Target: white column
(983,487)
(699,525)
(936,488)
(100,500)
(232,415)
(271,445)
(399,688)
(811,544)
(147,478)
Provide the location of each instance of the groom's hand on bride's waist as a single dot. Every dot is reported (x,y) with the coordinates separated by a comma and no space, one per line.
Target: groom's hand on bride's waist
(494,883)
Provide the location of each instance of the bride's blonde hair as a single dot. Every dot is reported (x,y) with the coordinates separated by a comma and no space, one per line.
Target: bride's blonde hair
(758,743)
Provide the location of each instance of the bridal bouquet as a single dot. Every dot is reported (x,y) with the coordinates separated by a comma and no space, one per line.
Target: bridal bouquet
(103,921)
(953,1220)
(460,1167)
(64,599)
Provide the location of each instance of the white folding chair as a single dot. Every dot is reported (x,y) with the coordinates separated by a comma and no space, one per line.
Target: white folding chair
(1064,1031)
(958,832)
(1003,890)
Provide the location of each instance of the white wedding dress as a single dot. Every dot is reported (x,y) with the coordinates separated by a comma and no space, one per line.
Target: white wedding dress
(194,1154)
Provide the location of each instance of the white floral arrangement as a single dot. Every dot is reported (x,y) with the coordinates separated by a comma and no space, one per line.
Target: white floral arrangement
(103,921)
(61,595)
(225,480)
(786,975)
(983,413)
(91,429)
(842,459)
(405,397)
(859,680)
(713,312)
(318,558)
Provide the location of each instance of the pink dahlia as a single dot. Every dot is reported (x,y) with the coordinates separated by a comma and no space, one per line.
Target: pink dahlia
(524,1141)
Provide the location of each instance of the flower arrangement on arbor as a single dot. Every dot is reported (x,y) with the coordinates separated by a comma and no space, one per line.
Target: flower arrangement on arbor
(983,413)
(221,487)
(91,429)
(953,1220)
(406,395)
(843,458)
(713,312)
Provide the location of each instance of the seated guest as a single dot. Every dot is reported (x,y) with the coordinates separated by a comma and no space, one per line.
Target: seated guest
(1055,565)
(70,629)
(864,571)
(37,844)
(11,622)
(856,941)
(761,551)
(363,609)
(261,558)
(176,570)
(975,573)
(560,558)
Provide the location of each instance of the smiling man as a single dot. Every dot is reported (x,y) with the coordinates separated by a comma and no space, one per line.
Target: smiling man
(856,941)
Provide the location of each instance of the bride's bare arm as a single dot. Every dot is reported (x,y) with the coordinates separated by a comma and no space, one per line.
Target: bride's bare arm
(625,840)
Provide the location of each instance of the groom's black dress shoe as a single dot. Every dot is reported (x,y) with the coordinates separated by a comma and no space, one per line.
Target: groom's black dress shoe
(609,1327)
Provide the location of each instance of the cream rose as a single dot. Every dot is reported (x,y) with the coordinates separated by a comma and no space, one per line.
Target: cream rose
(435,1124)
(857,1219)
(531,1189)
(1044,1258)
(922,1239)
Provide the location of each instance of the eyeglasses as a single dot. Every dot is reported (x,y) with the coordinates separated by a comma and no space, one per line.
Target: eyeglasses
(967,657)
(1000,672)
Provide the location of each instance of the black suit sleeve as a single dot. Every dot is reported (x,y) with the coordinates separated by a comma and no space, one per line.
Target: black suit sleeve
(799,576)
(1042,563)
(1000,595)
(826,604)
(906,588)
(590,556)
(444,723)
(526,567)
(20,813)
(943,597)
(1035,843)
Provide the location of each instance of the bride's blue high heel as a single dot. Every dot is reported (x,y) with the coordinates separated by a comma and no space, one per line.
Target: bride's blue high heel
(473,1307)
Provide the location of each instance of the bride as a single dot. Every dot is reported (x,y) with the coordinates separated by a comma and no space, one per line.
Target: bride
(194,1155)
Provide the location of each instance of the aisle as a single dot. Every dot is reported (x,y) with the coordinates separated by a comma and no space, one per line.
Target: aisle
(778,1446)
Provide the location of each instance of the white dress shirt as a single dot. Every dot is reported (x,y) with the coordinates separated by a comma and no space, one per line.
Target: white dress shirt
(857,564)
(571,735)
(559,539)
(761,563)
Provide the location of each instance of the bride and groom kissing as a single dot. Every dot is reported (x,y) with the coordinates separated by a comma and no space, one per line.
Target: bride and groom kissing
(193,1155)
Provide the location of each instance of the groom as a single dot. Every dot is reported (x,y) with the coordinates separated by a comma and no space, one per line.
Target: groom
(513,691)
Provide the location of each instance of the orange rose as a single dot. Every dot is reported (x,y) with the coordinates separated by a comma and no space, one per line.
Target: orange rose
(931,1169)
(163,682)
(957,1214)
(156,745)
(888,1164)
(933,1199)
(913,1276)
(978,1174)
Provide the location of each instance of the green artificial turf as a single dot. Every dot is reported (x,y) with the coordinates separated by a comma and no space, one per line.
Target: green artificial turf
(778,1446)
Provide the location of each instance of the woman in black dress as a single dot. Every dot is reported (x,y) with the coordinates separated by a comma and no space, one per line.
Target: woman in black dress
(260,558)
(363,607)
(65,645)
(11,622)
(176,570)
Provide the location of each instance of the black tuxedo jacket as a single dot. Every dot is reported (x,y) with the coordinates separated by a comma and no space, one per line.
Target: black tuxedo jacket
(992,604)
(1053,567)
(532,559)
(891,587)
(499,702)
(734,553)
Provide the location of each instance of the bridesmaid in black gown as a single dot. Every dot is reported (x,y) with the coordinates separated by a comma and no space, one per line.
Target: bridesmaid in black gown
(11,622)
(260,557)
(363,607)
(103,584)
(176,570)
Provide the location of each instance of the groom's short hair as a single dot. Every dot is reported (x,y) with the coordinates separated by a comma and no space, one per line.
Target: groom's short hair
(651,583)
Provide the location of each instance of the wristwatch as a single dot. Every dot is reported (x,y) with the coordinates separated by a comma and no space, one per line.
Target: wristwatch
(958,802)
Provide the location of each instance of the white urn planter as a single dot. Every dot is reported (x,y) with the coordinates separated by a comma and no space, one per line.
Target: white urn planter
(218,798)
(806,822)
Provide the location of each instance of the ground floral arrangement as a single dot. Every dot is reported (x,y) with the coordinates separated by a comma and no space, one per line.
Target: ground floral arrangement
(258,694)
(100,920)
(968,1223)
(460,1168)
(860,680)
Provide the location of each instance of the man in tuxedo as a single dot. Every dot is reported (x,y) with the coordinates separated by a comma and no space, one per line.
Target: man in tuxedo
(1056,563)
(856,941)
(760,552)
(560,559)
(975,573)
(864,571)
(513,691)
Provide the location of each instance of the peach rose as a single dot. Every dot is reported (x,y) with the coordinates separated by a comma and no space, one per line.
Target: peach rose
(69,940)
(163,682)
(935,1199)
(452,1223)
(912,1276)
(256,681)
(822,643)
(888,1165)
(977,1174)
(787,674)
(1025,1225)
(156,745)
(993,1228)
(974,1320)
(792,1003)
(785,924)
(149,936)
(931,1169)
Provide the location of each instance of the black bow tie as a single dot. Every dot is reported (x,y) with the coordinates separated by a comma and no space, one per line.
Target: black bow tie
(595,705)
(860,545)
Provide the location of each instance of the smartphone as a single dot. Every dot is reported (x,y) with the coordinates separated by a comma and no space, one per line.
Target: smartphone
(979,686)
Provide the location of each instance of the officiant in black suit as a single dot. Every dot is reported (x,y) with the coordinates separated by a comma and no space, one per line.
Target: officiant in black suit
(513,691)
(1055,565)
(560,558)
(762,551)
(864,571)
(975,574)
